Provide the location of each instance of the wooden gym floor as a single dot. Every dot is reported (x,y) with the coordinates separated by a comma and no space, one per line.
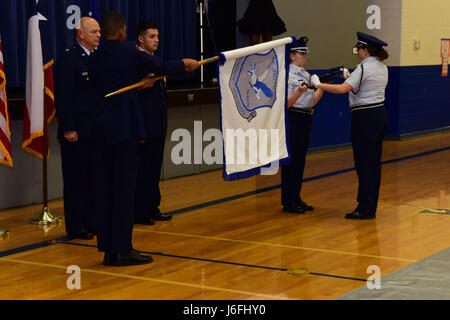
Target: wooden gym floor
(231,240)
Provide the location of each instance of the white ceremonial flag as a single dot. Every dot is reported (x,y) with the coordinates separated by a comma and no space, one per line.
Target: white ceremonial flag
(253,92)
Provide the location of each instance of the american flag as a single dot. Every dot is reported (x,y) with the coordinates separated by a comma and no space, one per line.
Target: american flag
(5,132)
(39,83)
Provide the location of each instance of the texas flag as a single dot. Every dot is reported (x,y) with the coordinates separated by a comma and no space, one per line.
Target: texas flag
(39,80)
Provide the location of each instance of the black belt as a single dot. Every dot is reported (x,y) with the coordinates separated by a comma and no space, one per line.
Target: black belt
(367,106)
(307,111)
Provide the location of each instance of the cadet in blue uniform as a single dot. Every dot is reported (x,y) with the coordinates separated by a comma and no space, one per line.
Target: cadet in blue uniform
(75,105)
(119,126)
(151,151)
(366,86)
(301,102)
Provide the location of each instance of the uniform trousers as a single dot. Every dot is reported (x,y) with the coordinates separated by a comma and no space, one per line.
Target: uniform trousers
(148,195)
(292,173)
(116,169)
(368,128)
(76,161)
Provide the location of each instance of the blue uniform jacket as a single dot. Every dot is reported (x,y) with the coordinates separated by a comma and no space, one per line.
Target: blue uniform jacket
(116,65)
(154,102)
(74,95)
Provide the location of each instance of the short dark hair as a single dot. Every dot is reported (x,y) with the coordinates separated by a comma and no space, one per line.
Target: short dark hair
(111,23)
(143,26)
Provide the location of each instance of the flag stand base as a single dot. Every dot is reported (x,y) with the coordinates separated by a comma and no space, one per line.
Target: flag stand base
(46,217)
(4,232)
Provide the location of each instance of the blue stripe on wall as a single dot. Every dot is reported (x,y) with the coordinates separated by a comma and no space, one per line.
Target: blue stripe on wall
(423,99)
(417,99)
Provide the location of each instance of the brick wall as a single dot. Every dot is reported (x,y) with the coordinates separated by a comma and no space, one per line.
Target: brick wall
(426,22)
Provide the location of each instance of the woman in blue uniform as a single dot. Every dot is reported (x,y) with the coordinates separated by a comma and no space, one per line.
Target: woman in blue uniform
(366,86)
(301,102)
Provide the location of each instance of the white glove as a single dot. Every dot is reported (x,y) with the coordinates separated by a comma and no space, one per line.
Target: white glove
(345,73)
(315,81)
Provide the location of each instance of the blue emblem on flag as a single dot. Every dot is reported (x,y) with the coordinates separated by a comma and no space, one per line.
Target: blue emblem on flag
(253,82)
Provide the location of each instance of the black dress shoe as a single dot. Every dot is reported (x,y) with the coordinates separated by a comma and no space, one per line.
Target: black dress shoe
(129,259)
(294,208)
(305,206)
(159,216)
(85,235)
(144,220)
(359,215)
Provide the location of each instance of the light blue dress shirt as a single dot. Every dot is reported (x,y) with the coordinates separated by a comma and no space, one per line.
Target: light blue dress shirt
(297,75)
(368,82)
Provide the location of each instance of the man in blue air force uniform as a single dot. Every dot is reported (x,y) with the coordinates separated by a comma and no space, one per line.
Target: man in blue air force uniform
(151,151)
(119,127)
(75,105)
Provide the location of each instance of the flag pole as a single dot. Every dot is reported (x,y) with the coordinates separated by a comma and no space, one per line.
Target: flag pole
(141,83)
(201,3)
(205,61)
(45,217)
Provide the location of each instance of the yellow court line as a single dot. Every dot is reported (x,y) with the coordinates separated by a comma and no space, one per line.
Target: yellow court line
(424,208)
(177,283)
(275,245)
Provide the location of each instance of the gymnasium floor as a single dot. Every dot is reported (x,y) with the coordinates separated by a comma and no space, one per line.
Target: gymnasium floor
(232,241)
